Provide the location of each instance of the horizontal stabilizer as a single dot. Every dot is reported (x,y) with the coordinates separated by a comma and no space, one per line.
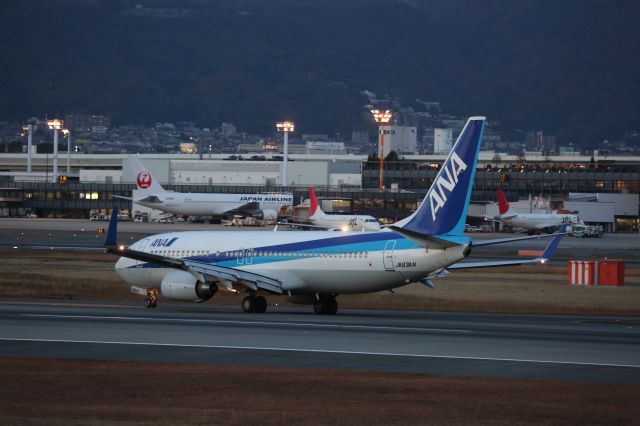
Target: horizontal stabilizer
(548,253)
(477,243)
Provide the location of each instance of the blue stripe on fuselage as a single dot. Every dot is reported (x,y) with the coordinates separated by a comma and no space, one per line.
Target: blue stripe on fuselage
(362,242)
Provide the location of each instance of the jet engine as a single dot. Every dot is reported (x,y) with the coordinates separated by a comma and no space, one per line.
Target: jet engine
(269,215)
(180,285)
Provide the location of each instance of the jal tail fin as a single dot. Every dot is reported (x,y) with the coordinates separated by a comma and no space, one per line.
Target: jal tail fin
(315,208)
(145,182)
(503,204)
(444,209)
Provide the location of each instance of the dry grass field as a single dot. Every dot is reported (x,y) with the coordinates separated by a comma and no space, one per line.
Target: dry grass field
(528,289)
(66,392)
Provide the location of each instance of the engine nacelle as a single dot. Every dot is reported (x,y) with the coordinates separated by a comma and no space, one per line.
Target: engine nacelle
(268,215)
(180,285)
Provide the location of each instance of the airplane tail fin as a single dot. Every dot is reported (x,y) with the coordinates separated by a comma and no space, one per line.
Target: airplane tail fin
(315,208)
(444,209)
(111,240)
(145,182)
(503,204)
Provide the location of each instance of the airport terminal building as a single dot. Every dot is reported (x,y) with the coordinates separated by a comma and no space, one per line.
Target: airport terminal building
(603,191)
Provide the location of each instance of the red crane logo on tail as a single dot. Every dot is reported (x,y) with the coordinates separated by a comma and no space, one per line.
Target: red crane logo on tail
(143,180)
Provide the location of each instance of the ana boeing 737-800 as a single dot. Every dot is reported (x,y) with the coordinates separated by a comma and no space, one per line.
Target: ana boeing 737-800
(153,195)
(315,267)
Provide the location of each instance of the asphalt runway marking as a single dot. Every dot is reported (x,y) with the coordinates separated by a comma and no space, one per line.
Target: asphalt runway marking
(210,321)
(322,351)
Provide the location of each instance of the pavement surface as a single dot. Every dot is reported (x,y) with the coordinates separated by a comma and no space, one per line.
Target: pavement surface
(584,349)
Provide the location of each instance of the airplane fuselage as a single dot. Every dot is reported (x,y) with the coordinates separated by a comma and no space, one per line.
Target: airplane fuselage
(204,204)
(346,222)
(540,221)
(303,262)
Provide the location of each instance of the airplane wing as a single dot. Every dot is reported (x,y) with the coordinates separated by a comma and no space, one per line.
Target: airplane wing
(148,199)
(252,207)
(307,225)
(219,273)
(548,253)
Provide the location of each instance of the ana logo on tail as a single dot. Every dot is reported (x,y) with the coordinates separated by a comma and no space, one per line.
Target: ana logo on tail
(143,180)
(438,196)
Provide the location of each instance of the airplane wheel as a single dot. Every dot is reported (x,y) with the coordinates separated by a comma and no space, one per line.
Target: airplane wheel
(248,304)
(326,306)
(150,303)
(259,305)
(332,307)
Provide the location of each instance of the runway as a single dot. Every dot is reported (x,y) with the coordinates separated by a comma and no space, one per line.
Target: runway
(585,349)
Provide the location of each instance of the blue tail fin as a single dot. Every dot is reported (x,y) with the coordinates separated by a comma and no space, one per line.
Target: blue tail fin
(444,208)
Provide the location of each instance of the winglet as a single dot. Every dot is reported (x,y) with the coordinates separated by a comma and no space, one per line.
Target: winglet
(112,232)
(553,245)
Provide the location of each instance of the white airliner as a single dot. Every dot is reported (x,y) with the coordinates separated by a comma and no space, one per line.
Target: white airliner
(343,222)
(532,221)
(314,267)
(153,195)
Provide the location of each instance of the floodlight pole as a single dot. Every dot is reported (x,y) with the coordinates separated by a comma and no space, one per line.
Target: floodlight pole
(382,118)
(285,127)
(68,134)
(55,125)
(29,129)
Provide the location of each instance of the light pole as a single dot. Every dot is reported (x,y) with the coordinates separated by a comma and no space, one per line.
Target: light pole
(67,133)
(285,127)
(56,125)
(29,129)
(382,118)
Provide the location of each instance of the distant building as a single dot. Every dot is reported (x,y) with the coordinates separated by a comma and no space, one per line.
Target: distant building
(442,141)
(316,147)
(360,136)
(314,137)
(401,139)
(86,122)
(228,129)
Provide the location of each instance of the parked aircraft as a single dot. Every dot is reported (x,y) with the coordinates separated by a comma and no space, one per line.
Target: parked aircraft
(342,222)
(153,195)
(315,267)
(532,222)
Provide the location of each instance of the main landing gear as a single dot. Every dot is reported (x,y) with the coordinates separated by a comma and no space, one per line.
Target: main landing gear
(257,304)
(151,301)
(325,304)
